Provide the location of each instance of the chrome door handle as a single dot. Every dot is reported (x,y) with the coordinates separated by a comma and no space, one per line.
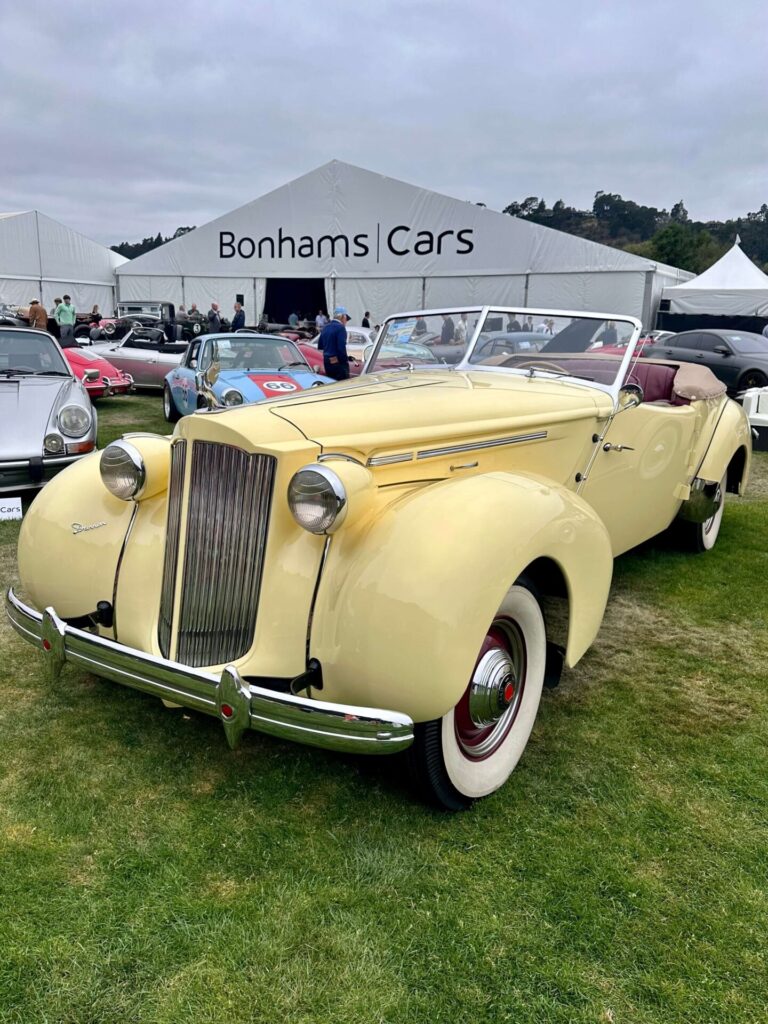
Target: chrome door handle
(608,447)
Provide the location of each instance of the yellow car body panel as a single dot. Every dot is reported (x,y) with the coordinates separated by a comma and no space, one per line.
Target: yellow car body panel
(406,600)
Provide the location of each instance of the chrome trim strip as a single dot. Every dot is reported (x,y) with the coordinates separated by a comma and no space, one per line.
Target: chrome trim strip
(239,705)
(48,460)
(390,460)
(454,449)
(339,455)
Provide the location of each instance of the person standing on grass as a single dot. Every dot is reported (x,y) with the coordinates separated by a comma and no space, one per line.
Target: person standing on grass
(65,318)
(333,344)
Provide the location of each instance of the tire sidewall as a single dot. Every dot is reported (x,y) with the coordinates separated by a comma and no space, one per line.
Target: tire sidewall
(478,778)
(708,539)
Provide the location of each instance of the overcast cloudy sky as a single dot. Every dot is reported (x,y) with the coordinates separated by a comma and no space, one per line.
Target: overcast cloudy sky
(124,119)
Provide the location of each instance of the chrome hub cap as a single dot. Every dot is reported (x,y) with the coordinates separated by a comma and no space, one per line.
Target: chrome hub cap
(489,707)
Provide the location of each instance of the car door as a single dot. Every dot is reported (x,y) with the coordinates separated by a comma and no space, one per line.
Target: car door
(137,356)
(182,379)
(723,363)
(642,463)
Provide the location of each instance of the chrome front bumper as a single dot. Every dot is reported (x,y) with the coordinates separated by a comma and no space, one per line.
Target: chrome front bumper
(238,704)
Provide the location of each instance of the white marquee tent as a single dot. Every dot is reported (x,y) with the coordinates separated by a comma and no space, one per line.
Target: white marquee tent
(733,286)
(374,243)
(41,259)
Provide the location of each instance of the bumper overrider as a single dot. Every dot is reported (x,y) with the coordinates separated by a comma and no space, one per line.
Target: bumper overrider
(239,705)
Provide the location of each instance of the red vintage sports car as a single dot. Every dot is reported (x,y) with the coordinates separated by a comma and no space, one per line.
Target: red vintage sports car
(100,377)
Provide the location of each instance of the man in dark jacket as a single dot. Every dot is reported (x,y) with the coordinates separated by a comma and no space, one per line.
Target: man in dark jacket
(214,319)
(238,320)
(333,344)
(448,330)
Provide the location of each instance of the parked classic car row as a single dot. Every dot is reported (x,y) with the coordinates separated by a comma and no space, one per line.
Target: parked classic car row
(373,565)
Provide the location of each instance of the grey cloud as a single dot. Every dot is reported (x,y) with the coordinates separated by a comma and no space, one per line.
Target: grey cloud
(123,122)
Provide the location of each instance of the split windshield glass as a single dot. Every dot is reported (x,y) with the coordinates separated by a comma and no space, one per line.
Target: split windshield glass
(537,343)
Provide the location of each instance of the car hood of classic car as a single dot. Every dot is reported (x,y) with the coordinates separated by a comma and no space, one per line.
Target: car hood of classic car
(26,406)
(379,413)
(82,359)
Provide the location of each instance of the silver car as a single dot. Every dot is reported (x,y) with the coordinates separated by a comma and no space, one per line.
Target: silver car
(46,418)
(145,354)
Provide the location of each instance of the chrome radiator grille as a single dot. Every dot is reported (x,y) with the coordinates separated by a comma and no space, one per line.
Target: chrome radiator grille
(230,494)
(178,456)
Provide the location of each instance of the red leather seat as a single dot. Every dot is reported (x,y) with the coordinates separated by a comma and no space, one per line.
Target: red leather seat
(656,380)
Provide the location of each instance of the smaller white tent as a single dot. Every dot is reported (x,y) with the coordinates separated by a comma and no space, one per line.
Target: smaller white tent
(42,259)
(733,286)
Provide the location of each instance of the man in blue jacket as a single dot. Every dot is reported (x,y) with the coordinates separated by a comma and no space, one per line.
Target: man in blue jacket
(238,320)
(333,344)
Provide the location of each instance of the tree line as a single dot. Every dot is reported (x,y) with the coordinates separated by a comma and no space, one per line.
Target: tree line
(665,236)
(133,249)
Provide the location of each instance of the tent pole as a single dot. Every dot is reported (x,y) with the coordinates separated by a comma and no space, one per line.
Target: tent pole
(525,292)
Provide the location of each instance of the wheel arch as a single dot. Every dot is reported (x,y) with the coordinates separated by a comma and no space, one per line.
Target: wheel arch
(403,604)
(729,451)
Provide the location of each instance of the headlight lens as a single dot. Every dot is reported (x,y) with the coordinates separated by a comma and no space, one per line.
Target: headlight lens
(74,421)
(232,397)
(53,444)
(122,470)
(317,499)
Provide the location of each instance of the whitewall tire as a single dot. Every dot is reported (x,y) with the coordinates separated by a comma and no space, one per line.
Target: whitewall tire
(473,749)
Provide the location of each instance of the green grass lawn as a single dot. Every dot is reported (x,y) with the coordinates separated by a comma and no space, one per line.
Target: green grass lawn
(149,874)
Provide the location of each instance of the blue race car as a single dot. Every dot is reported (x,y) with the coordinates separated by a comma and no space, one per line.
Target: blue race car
(236,369)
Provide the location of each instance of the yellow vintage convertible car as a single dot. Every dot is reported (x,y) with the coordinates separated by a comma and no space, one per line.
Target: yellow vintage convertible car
(397,561)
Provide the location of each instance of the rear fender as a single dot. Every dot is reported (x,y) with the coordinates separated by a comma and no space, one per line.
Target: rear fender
(405,600)
(729,450)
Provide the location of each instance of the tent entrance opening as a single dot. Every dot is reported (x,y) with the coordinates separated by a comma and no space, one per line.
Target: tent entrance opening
(301,295)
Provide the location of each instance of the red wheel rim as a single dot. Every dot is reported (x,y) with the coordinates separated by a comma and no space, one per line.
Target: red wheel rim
(478,742)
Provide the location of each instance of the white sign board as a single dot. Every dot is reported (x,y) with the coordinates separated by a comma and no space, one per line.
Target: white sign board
(10,508)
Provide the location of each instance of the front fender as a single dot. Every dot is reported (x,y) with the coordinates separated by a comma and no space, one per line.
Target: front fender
(731,435)
(405,600)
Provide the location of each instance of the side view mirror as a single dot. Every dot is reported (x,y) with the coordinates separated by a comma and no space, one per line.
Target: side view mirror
(91,375)
(630,396)
(722,350)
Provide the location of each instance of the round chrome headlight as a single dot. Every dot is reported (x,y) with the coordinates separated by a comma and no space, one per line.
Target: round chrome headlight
(317,499)
(232,397)
(74,420)
(53,444)
(122,470)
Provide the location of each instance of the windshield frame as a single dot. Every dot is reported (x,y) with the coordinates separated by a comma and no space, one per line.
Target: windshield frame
(465,365)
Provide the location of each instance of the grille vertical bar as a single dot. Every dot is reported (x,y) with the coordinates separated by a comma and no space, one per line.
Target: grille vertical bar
(230,495)
(178,457)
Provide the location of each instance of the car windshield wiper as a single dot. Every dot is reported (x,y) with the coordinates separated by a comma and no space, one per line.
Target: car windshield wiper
(21,373)
(51,373)
(287,366)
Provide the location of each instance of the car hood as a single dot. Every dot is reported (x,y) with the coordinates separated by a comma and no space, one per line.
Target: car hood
(382,412)
(26,407)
